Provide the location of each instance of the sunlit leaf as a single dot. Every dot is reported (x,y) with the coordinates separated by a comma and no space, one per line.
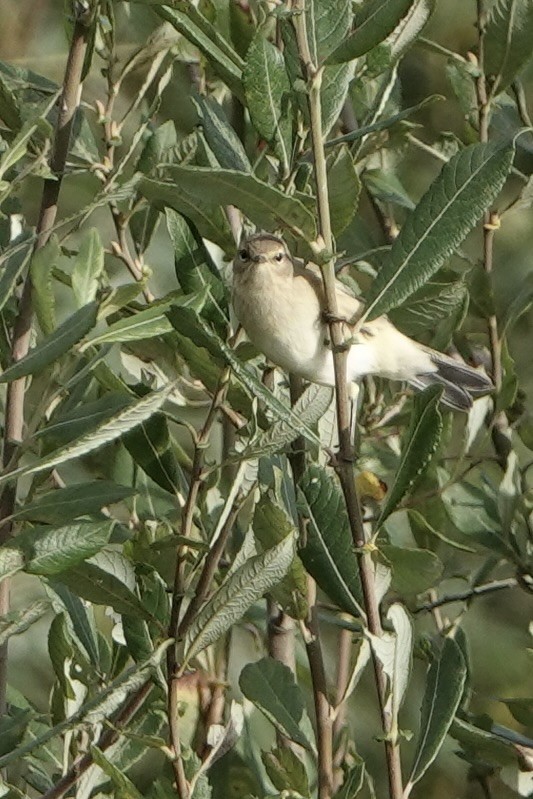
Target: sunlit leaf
(455,201)
(237,594)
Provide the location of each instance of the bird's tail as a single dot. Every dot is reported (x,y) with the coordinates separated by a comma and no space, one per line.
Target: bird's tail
(462,383)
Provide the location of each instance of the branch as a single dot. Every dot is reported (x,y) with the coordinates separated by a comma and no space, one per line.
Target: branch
(467,594)
(179,581)
(20,344)
(344,465)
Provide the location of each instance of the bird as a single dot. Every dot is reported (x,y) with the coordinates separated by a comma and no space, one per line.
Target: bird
(281,305)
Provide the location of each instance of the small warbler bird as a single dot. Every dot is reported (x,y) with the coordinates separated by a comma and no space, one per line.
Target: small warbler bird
(281,307)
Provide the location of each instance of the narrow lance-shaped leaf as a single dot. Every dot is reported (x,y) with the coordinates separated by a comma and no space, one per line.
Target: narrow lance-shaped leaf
(110,430)
(326,25)
(404,35)
(444,688)
(67,503)
(268,96)
(420,443)
(52,347)
(220,135)
(454,202)
(49,551)
(265,205)
(88,268)
(42,263)
(327,552)
(199,31)
(236,595)
(508,37)
(270,685)
(373,21)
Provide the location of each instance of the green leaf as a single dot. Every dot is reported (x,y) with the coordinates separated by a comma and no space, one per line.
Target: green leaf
(474,512)
(286,770)
(267,90)
(81,618)
(483,744)
(508,36)
(43,262)
(328,552)
(465,188)
(265,205)
(53,346)
(150,447)
(141,325)
(88,268)
(439,299)
(196,271)
(386,186)
(206,215)
(521,709)
(18,621)
(123,786)
(13,267)
(394,650)
(336,81)
(65,504)
(271,525)
(373,21)
(413,570)
(418,447)
(344,188)
(271,686)
(135,414)
(48,551)
(444,689)
(106,579)
(199,31)
(387,53)
(61,650)
(309,408)
(326,26)
(236,595)
(519,305)
(13,730)
(220,135)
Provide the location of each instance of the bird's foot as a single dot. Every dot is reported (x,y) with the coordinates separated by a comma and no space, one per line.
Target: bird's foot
(328,318)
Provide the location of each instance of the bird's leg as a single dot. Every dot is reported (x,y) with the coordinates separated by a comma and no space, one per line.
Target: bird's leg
(328,318)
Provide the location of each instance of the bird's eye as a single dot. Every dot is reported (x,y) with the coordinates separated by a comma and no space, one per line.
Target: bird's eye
(279,256)
(244,255)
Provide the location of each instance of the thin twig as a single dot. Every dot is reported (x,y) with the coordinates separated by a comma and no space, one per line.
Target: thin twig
(467,594)
(344,649)
(344,465)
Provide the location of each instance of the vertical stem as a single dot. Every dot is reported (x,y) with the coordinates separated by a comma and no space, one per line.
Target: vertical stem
(311,632)
(501,433)
(182,786)
(344,466)
(20,343)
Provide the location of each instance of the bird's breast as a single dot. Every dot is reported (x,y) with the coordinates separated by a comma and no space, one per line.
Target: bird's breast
(284,322)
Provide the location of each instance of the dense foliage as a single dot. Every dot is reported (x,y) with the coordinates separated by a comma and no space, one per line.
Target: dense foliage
(212,609)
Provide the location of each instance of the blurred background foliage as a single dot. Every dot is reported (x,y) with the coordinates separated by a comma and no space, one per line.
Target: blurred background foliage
(34,36)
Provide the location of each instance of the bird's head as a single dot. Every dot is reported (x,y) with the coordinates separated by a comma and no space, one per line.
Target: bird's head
(263,250)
